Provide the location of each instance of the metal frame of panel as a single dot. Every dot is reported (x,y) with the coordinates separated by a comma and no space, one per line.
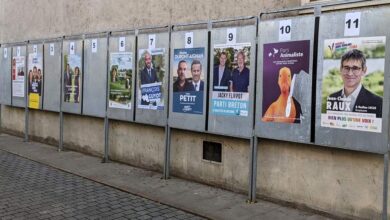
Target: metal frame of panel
(52,78)
(71,107)
(269,32)
(332,27)
(232,125)
(162,41)
(95,76)
(199,32)
(5,75)
(19,101)
(40,49)
(129,46)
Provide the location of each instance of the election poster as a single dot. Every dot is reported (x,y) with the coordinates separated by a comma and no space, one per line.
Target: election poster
(18,71)
(72,78)
(353,82)
(285,81)
(35,79)
(188,80)
(231,74)
(120,76)
(151,75)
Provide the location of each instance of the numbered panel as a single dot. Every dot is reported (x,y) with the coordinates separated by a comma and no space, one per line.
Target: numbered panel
(352,109)
(188,79)
(121,77)
(95,77)
(152,78)
(18,75)
(5,75)
(35,75)
(232,80)
(284,80)
(72,76)
(52,79)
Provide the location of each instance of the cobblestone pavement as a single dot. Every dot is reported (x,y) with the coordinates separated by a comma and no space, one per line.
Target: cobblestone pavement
(30,190)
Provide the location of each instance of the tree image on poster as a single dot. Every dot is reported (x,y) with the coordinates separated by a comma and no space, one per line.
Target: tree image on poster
(231,74)
(285,81)
(72,78)
(188,85)
(150,78)
(18,71)
(120,76)
(353,82)
(35,79)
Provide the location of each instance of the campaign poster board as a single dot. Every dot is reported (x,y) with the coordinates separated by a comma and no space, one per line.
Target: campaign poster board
(18,75)
(152,77)
(188,81)
(352,109)
(284,80)
(121,75)
(232,80)
(95,76)
(5,75)
(52,79)
(35,75)
(72,75)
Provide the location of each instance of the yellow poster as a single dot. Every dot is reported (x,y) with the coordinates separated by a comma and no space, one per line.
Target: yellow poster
(33,101)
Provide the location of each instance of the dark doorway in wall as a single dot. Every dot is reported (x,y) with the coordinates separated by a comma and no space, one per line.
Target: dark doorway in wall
(212,151)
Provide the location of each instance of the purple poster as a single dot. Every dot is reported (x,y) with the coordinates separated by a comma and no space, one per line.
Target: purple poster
(285,65)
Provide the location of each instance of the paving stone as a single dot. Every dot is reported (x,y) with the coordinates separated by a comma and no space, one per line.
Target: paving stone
(30,190)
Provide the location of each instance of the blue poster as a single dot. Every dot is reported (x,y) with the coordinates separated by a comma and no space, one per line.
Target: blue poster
(231,74)
(188,80)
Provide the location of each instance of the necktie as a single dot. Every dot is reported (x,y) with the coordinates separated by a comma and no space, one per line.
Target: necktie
(196,86)
(150,75)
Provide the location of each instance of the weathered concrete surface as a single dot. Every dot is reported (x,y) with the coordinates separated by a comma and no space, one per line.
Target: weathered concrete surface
(187,160)
(337,181)
(44,126)
(137,145)
(84,134)
(12,120)
(22,20)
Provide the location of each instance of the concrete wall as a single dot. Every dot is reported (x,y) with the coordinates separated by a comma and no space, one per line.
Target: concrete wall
(187,160)
(44,126)
(137,145)
(341,182)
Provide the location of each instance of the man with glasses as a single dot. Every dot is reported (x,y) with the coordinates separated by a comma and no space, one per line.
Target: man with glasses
(354,97)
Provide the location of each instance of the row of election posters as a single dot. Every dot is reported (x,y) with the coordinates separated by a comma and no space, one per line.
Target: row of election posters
(352,82)
(34,77)
(351,95)
(352,86)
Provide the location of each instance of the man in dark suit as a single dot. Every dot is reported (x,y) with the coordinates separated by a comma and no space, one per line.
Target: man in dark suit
(148,74)
(182,84)
(67,83)
(354,97)
(222,75)
(196,71)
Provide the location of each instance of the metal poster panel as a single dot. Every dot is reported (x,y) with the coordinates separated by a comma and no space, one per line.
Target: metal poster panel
(72,76)
(352,90)
(5,75)
(35,76)
(95,77)
(233,74)
(152,78)
(52,79)
(121,77)
(284,82)
(188,79)
(18,74)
